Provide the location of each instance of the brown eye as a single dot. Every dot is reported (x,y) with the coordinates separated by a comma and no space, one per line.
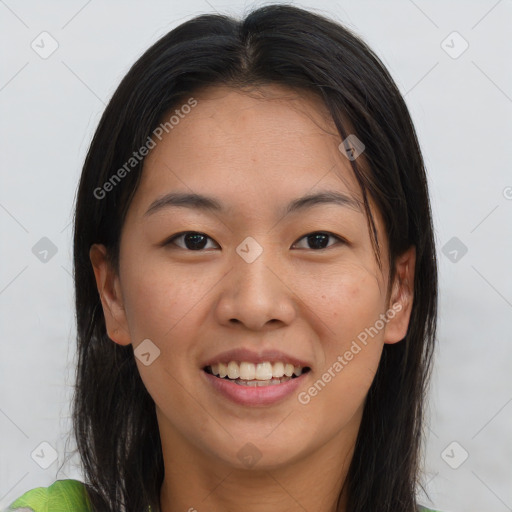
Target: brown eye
(196,241)
(319,239)
(192,240)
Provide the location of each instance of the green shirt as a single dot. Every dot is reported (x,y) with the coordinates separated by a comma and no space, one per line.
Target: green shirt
(62,496)
(65,496)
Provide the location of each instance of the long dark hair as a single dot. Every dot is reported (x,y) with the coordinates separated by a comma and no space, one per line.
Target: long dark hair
(115,424)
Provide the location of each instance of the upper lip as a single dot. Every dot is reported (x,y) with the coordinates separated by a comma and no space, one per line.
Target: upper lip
(250,356)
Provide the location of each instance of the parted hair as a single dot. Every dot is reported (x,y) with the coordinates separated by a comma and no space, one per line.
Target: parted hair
(114,419)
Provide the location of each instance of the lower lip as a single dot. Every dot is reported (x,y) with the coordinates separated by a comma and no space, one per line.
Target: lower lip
(255,395)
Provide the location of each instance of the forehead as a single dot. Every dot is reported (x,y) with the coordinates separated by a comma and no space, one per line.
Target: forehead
(270,143)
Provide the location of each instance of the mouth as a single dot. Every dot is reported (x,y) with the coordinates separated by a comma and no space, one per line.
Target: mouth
(261,374)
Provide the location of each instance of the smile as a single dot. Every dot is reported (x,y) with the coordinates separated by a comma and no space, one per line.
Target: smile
(259,374)
(255,384)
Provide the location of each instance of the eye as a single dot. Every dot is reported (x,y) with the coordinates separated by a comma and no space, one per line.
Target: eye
(196,241)
(318,239)
(193,240)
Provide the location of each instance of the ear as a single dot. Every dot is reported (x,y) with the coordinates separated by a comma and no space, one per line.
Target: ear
(107,282)
(401,299)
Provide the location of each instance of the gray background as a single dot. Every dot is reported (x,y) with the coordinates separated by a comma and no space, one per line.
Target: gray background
(461,103)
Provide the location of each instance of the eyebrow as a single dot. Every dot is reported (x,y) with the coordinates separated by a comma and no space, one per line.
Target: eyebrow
(204,203)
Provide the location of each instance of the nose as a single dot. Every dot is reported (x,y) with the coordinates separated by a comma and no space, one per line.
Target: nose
(256,294)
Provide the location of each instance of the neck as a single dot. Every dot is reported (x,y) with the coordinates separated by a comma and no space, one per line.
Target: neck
(196,482)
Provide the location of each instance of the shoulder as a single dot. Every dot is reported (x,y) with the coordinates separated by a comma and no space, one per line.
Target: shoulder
(425,509)
(62,496)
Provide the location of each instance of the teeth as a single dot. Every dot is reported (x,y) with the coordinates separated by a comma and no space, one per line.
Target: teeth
(288,369)
(247,371)
(264,371)
(233,370)
(278,369)
(259,383)
(256,374)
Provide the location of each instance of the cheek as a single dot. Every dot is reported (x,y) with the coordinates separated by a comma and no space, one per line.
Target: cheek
(158,297)
(160,305)
(347,299)
(348,304)
(351,304)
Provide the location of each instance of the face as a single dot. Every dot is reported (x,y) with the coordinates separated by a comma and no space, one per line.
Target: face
(253,281)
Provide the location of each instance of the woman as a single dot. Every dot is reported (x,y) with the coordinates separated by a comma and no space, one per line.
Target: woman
(256,283)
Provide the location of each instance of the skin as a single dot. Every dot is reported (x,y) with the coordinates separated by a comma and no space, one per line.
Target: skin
(255,152)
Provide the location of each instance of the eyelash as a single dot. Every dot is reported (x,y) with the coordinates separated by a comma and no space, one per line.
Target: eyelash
(183,233)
